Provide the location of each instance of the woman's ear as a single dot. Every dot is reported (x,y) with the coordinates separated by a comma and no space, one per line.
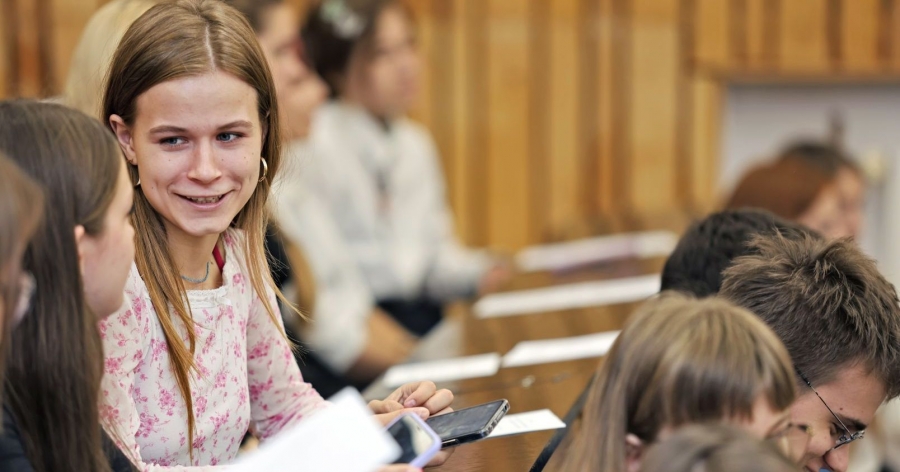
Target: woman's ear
(125,138)
(634,452)
(80,241)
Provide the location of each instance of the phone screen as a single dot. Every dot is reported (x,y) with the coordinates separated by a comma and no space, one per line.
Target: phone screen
(466,421)
(413,439)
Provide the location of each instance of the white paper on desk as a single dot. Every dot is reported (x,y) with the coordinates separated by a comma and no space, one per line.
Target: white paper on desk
(567,297)
(530,421)
(560,349)
(343,438)
(570,254)
(445,370)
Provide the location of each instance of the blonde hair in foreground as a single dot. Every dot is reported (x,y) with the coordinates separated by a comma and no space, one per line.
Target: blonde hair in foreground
(177,39)
(679,361)
(94,51)
(715,448)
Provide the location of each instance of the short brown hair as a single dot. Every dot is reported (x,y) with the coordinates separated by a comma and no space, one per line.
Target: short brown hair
(826,301)
(715,448)
(680,361)
(786,188)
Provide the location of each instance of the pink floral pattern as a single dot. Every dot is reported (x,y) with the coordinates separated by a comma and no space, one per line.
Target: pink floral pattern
(246,375)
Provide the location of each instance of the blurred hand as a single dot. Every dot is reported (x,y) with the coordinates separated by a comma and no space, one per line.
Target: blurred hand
(496,277)
(424,399)
(399,468)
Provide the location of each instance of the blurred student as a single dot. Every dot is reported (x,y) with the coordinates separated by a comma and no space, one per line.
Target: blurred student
(21,207)
(350,340)
(710,245)
(795,190)
(79,259)
(716,448)
(849,177)
(680,361)
(840,321)
(378,172)
(198,353)
(93,53)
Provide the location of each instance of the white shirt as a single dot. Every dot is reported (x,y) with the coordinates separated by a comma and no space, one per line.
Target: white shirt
(339,328)
(386,193)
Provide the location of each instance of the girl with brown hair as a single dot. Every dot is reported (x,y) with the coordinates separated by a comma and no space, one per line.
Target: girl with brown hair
(680,361)
(21,207)
(79,259)
(379,172)
(796,190)
(198,353)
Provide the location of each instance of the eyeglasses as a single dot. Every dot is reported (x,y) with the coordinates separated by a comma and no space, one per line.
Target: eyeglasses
(27,287)
(846,437)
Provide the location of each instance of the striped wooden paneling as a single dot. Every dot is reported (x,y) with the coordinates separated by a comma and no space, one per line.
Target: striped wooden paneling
(555,117)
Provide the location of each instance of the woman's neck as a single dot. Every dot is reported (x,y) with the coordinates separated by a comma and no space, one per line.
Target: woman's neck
(192,256)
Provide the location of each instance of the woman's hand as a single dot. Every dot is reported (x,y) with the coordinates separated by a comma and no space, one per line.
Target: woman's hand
(422,398)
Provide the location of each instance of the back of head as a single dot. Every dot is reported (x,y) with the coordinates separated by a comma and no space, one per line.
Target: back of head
(56,359)
(827,302)
(680,361)
(827,158)
(21,207)
(335,30)
(786,188)
(715,448)
(709,246)
(94,51)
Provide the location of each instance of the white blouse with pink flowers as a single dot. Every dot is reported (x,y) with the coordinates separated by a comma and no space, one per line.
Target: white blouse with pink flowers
(246,374)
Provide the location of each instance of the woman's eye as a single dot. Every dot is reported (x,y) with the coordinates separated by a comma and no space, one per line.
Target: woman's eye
(227,137)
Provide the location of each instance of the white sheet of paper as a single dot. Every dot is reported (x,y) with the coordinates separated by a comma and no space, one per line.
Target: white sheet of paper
(569,296)
(560,349)
(593,250)
(445,370)
(343,438)
(527,422)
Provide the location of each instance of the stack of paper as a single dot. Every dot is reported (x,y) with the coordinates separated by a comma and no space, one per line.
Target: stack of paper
(483,365)
(560,349)
(344,437)
(530,421)
(570,296)
(594,250)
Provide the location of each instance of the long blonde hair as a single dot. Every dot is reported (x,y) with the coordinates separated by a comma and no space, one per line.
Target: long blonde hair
(680,361)
(187,38)
(94,51)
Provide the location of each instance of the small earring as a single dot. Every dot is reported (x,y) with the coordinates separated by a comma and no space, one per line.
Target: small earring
(138,184)
(265,168)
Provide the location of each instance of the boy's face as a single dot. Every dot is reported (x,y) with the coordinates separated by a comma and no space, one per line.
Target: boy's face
(853,396)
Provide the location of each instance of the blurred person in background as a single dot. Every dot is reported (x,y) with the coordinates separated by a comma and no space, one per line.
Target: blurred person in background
(94,51)
(348,340)
(795,190)
(378,172)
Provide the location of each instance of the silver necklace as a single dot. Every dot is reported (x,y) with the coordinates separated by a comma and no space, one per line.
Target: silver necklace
(197,281)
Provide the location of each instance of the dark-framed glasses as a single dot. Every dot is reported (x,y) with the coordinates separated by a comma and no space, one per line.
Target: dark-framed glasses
(846,436)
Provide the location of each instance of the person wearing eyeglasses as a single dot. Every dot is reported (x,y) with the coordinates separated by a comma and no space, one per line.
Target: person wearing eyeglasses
(840,321)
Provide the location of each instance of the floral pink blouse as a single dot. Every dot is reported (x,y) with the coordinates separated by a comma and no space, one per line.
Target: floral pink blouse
(247,374)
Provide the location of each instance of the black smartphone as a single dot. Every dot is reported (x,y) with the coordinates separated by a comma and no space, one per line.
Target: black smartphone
(469,424)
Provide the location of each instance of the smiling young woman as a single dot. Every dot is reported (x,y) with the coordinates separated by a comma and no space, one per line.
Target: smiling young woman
(198,353)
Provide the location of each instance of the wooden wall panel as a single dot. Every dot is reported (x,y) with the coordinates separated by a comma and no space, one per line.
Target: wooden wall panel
(712,35)
(803,34)
(653,101)
(508,124)
(758,34)
(859,35)
(604,33)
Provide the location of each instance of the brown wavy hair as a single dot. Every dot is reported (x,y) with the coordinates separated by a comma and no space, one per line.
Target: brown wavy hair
(55,359)
(187,38)
(679,361)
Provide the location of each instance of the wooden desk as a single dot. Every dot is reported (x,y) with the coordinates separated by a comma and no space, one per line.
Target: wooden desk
(556,386)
